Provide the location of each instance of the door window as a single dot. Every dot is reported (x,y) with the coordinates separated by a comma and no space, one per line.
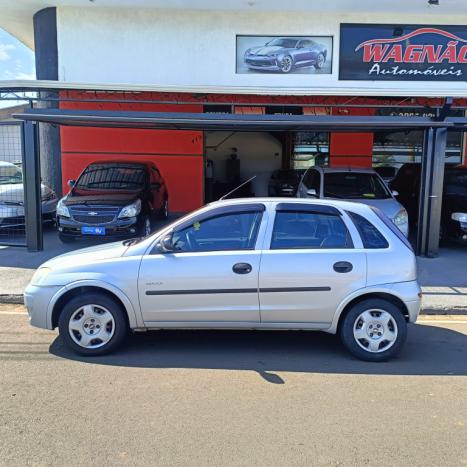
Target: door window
(309,230)
(371,237)
(232,231)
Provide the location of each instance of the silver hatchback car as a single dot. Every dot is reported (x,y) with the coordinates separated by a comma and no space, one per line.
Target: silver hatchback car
(334,266)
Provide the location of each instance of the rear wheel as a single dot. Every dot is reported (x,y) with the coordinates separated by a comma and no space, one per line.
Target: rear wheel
(93,324)
(374,330)
(320,61)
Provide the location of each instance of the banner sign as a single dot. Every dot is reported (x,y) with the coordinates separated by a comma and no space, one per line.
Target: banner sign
(284,54)
(384,52)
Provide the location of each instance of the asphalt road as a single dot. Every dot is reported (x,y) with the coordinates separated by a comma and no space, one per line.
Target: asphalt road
(232,398)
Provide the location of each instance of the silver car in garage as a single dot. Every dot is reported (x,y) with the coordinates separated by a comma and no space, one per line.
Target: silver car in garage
(354,184)
(253,263)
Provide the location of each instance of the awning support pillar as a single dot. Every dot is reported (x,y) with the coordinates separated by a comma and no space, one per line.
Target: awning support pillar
(32,186)
(431,191)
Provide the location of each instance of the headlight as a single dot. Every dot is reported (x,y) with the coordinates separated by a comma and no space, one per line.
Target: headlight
(62,210)
(401,217)
(459,216)
(132,210)
(39,276)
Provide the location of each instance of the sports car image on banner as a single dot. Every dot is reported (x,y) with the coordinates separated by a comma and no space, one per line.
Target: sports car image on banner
(284,54)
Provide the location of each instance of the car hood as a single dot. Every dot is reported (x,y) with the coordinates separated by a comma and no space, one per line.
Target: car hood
(389,206)
(114,199)
(14,192)
(265,50)
(88,255)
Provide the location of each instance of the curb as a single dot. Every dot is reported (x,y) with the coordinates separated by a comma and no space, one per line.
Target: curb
(17,299)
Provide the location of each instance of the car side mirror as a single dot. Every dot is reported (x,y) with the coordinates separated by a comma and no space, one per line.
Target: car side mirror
(395,193)
(71,183)
(311,193)
(165,245)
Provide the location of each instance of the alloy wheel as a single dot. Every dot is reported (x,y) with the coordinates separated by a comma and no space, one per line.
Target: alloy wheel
(375,330)
(286,64)
(91,326)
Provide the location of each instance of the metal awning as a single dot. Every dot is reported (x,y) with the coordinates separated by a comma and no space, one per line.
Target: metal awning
(231,122)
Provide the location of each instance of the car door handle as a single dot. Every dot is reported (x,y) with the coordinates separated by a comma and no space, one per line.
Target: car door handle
(242,268)
(343,266)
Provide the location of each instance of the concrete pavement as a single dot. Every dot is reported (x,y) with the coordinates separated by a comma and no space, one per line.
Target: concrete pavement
(222,398)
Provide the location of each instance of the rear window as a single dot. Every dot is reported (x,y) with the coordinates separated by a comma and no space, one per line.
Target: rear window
(394,229)
(371,237)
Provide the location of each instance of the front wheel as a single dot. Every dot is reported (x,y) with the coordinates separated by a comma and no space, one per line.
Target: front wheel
(93,324)
(373,330)
(286,64)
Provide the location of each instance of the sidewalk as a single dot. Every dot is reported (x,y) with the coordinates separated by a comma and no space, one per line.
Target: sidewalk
(443,279)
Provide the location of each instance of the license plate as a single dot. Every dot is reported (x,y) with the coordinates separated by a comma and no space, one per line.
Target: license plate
(93,230)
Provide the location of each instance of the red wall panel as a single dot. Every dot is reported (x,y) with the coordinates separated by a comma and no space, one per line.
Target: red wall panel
(351,149)
(178,154)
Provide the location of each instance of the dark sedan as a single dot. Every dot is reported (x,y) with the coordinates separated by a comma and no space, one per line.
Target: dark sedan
(113,199)
(284,54)
(454,207)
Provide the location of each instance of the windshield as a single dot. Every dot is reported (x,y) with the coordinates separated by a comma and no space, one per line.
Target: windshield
(350,185)
(455,183)
(287,43)
(112,177)
(10,174)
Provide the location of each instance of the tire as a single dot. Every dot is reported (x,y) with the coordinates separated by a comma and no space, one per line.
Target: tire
(65,239)
(286,64)
(75,323)
(376,318)
(164,210)
(320,61)
(146,226)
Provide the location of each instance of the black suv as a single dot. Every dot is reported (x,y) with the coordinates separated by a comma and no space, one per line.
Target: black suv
(113,199)
(454,207)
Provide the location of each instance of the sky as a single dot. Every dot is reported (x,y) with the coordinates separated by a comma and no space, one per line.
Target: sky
(16,60)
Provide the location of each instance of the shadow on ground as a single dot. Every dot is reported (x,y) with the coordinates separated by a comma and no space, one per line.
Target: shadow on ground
(429,350)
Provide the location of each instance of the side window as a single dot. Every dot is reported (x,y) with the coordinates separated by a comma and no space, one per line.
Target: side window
(370,235)
(233,231)
(309,230)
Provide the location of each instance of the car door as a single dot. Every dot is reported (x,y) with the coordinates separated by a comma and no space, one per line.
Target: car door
(310,266)
(212,274)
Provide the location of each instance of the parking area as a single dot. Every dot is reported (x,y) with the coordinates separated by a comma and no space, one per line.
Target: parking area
(232,398)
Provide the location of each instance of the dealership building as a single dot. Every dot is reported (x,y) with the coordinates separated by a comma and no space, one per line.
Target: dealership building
(218,92)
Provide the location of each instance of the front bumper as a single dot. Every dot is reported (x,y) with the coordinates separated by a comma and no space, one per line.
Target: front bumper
(37,300)
(262,63)
(119,228)
(12,215)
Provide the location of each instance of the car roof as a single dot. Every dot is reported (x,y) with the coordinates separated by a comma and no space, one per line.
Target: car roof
(344,170)
(340,204)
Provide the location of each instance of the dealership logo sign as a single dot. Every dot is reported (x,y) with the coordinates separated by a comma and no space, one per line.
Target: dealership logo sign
(424,53)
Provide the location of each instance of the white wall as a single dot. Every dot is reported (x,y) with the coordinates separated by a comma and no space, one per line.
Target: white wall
(183,47)
(259,154)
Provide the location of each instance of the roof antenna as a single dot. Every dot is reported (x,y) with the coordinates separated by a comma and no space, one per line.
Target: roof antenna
(236,188)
